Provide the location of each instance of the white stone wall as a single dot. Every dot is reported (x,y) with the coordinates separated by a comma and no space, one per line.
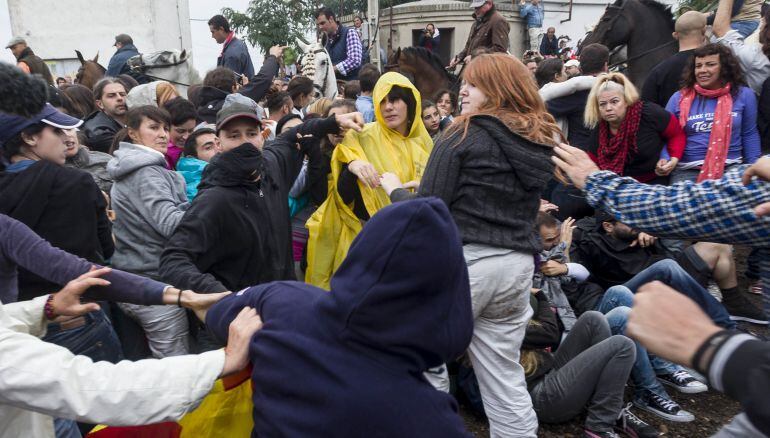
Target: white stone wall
(54,29)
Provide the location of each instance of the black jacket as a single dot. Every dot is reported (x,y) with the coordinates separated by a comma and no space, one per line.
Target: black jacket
(211,99)
(543,334)
(100,129)
(237,232)
(663,80)
(572,108)
(63,206)
(491,180)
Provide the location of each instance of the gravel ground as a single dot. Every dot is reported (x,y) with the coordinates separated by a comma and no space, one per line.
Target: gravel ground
(711,409)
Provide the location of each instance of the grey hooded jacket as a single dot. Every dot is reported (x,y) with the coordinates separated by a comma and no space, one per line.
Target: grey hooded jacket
(149,201)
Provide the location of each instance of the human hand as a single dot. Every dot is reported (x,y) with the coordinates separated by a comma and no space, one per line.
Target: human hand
(467,60)
(389,182)
(66,302)
(412,185)
(354,121)
(201,303)
(566,231)
(576,164)
(244,80)
(365,172)
(452,63)
(241,331)
(552,268)
(760,169)
(668,323)
(546,206)
(664,167)
(276,51)
(644,240)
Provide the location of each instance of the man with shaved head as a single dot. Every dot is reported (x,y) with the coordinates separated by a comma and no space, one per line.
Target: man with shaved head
(663,81)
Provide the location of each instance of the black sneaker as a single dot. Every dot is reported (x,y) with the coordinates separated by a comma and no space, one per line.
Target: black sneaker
(633,426)
(741,309)
(682,381)
(591,434)
(663,408)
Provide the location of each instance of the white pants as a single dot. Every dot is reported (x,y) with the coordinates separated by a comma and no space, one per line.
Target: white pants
(166,328)
(535,37)
(500,282)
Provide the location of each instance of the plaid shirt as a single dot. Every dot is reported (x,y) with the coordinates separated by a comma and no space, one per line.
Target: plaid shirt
(355,53)
(716,210)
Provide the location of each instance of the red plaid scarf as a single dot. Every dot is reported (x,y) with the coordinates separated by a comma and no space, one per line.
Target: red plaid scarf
(614,151)
(721,129)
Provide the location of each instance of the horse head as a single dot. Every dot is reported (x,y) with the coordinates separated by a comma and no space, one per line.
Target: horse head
(614,27)
(316,64)
(90,71)
(169,65)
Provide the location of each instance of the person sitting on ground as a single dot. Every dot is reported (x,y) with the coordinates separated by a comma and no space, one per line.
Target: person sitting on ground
(199,149)
(589,372)
(629,134)
(355,194)
(184,118)
(367,78)
(80,157)
(101,126)
(407,263)
(149,201)
(431,118)
(718,114)
(614,253)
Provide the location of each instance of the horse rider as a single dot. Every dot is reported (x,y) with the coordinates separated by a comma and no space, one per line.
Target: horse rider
(119,62)
(235,54)
(27,61)
(489,31)
(344,45)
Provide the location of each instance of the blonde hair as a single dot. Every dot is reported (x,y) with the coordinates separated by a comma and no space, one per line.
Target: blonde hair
(320,106)
(608,82)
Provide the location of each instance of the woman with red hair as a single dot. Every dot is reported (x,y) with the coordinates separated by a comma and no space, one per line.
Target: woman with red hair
(490,167)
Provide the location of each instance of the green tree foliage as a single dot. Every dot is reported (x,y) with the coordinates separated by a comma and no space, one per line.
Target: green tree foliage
(266,23)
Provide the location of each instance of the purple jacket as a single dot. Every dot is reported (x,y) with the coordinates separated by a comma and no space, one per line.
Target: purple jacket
(21,247)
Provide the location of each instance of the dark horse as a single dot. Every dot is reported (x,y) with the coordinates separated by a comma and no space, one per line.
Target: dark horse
(424,69)
(645,27)
(89,72)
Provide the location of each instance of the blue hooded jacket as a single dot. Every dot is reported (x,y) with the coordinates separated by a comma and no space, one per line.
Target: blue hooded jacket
(349,362)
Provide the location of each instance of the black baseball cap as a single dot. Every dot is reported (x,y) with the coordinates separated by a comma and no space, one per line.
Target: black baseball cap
(236,111)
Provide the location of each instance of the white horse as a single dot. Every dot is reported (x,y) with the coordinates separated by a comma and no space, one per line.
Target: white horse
(168,65)
(316,64)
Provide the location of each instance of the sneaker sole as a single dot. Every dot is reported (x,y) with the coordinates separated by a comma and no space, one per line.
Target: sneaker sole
(669,417)
(751,320)
(684,390)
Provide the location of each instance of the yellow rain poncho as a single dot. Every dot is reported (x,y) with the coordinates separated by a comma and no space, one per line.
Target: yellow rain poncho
(334,225)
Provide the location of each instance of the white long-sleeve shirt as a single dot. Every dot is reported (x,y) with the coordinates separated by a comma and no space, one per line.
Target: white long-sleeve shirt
(39,380)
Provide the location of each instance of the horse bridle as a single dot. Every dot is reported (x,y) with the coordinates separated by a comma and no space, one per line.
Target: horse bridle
(321,89)
(141,67)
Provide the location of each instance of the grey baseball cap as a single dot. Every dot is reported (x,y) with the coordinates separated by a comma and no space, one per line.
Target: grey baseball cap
(477,3)
(14,41)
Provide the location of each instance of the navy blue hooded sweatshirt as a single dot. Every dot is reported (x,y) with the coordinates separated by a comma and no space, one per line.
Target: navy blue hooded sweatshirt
(349,362)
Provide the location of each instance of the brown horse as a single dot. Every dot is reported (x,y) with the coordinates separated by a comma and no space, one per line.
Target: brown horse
(424,69)
(89,72)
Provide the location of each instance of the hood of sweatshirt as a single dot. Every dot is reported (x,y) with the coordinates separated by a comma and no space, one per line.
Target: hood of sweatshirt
(129,157)
(402,294)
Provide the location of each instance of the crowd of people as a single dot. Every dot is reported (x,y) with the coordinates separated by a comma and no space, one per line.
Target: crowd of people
(531,244)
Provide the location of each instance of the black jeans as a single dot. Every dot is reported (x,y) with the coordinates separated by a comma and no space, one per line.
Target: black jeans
(591,368)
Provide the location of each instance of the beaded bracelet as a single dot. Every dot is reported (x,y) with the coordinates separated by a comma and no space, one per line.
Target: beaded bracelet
(48,308)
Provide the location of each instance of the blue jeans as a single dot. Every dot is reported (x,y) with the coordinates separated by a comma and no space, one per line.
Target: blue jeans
(669,272)
(96,339)
(616,304)
(745,28)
